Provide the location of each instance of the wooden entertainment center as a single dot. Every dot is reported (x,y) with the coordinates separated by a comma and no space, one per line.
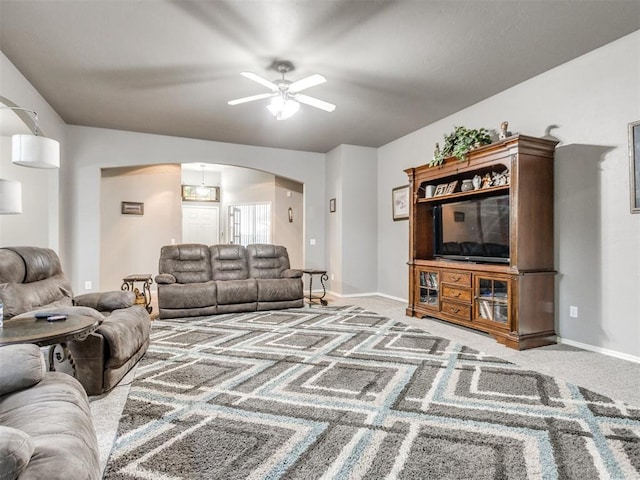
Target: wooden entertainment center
(513,300)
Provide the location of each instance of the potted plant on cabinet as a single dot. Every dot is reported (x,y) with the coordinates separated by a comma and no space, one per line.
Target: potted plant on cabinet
(458,143)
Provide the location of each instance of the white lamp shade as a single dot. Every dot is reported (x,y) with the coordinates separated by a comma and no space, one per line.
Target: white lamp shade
(10,196)
(35,151)
(283,108)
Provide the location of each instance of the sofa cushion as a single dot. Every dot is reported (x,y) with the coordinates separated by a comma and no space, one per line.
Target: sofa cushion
(106,301)
(40,263)
(188,263)
(279,290)
(16,448)
(165,279)
(267,261)
(23,297)
(12,267)
(125,331)
(193,295)
(229,262)
(237,291)
(22,366)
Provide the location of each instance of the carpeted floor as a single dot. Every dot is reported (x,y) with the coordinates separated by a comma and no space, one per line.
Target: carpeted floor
(346,393)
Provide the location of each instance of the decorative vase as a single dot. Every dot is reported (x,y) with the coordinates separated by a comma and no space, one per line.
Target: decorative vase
(429,191)
(466,185)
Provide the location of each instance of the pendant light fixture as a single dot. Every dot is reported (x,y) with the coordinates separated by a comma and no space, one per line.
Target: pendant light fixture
(202,190)
(34,150)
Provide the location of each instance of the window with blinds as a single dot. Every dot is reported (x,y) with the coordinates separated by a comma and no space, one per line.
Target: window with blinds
(250,223)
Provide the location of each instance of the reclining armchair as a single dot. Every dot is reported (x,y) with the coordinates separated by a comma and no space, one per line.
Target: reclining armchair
(31,279)
(46,429)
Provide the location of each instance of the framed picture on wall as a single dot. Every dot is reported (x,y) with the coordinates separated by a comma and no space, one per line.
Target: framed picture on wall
(132,208)
(634,162)
(400,203)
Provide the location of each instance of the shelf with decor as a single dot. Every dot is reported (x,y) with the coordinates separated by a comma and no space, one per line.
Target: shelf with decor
(490,247)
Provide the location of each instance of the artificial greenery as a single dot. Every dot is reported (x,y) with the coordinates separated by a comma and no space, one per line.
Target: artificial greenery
(459,142)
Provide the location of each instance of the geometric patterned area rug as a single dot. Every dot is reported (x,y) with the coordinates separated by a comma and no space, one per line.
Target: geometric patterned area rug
(344,393)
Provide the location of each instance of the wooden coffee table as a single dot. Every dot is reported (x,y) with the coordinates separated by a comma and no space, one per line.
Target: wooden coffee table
(44,333)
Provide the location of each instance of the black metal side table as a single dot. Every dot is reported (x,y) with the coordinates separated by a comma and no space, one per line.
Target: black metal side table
(142,297)
(323,278)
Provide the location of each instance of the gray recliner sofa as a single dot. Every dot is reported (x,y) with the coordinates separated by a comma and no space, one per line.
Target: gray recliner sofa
(31,279)
(46,429)
(197,280)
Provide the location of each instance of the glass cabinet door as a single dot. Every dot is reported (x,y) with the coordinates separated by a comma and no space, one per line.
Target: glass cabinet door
(428,288)
(492,299)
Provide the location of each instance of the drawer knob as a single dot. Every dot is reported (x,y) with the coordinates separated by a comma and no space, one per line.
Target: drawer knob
(456,278)
(455,309)
(457,294)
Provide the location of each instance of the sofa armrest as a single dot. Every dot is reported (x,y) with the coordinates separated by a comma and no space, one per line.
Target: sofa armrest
(106,301)
(165,279)
(22,366)
(291,273)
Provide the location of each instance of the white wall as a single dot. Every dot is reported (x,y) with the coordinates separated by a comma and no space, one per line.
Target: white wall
(352,228)
(131,243)
(91,149)
(587,104)
(359,238)
(38,225)
(334,220)
(289,193)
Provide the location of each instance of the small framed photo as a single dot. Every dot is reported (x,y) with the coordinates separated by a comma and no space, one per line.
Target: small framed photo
(634,161)
(400,203)
(332,205)
(132,208)
(451,187)
(441,189)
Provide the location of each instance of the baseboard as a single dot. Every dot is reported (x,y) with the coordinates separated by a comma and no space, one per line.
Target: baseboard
(603,351)
(370,294)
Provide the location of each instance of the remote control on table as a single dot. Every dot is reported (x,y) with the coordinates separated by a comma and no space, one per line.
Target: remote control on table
(43,315)
(55,318)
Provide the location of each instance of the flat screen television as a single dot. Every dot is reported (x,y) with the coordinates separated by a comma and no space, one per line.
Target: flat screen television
(473,230)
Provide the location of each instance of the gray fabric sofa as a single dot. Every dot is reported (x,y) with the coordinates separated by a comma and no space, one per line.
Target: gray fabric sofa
(197,280)
(46,429)
(31,279)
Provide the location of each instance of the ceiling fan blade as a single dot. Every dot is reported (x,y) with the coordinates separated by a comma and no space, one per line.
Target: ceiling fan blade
(260,80)
(260,96)
(314,102)
(307,82)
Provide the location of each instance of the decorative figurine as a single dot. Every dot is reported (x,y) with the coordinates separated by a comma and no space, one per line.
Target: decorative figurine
(486,181)
(504,133)
(467,185)
(477,182)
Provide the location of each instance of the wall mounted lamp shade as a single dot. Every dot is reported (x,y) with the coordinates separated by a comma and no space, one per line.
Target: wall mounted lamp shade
(10,196)
(35,151)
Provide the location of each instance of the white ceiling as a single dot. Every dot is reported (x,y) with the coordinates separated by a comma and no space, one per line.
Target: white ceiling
(169,67)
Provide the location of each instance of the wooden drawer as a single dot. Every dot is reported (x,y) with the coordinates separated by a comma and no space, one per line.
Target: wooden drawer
(457,278)
(456,293)
(458,310)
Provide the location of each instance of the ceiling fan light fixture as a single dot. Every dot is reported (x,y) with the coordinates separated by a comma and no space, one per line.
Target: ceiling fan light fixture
(283,108)
(286,99)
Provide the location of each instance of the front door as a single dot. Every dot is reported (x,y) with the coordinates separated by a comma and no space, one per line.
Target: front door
(200,224)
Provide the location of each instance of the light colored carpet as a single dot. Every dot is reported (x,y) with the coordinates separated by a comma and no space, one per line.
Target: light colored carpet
(110,406)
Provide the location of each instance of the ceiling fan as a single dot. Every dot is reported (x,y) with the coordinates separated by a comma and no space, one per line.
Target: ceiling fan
(285,96)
